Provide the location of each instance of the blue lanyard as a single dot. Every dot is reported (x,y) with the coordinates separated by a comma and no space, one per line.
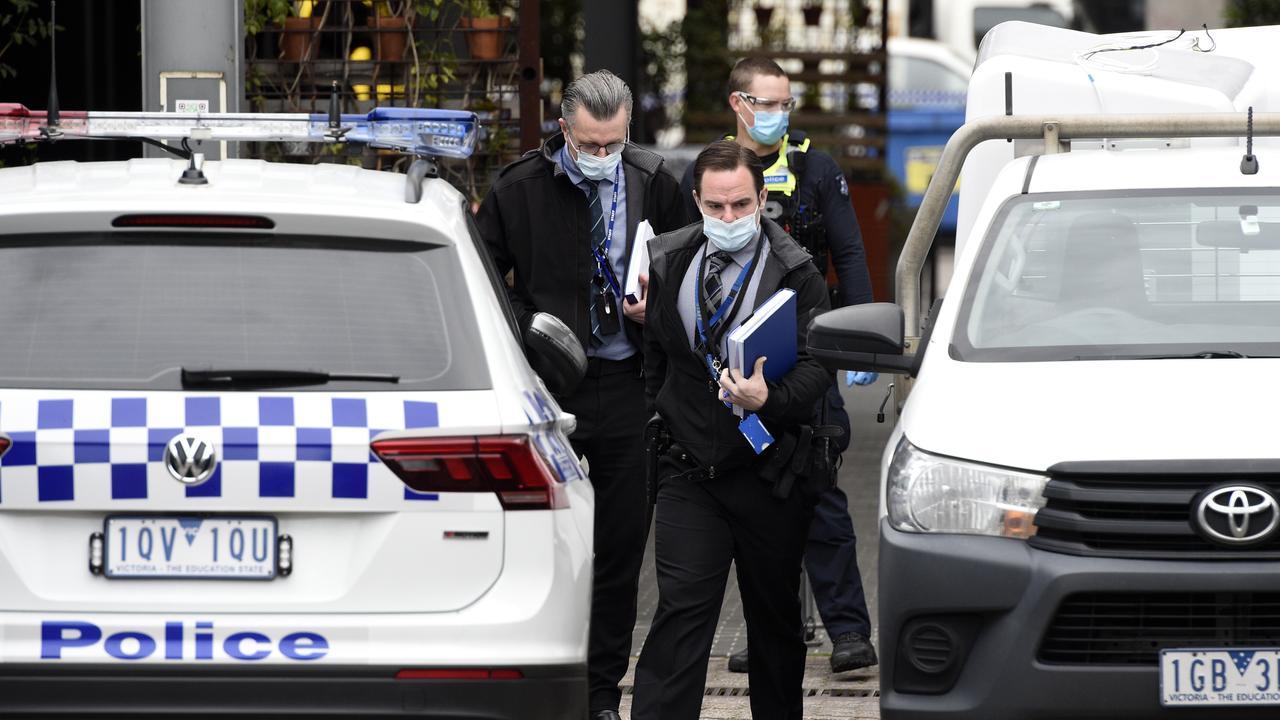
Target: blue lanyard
(714,364)
(602,262)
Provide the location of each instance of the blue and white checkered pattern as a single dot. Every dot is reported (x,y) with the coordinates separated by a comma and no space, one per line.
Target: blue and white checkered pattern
(94,447)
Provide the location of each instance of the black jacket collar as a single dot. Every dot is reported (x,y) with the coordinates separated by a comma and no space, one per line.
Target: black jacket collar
(638,165)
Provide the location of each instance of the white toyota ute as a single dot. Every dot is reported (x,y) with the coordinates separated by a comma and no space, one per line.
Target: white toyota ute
(269,442)
(1080,508)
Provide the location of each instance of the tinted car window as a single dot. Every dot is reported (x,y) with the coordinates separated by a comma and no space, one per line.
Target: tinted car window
(110,310)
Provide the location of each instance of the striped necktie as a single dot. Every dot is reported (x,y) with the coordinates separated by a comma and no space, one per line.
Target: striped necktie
(598,238)
(712,287)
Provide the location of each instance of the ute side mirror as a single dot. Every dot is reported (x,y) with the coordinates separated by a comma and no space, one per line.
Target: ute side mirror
(861,337)
(555,353)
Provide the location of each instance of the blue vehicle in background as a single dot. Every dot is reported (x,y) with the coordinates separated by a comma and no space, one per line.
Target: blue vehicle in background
(928,83)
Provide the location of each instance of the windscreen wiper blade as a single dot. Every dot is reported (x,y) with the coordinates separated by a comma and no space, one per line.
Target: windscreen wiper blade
(1201,355)
(268,376)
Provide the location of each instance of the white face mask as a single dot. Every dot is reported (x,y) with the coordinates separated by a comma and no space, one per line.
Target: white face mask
(593,167)
(730,236)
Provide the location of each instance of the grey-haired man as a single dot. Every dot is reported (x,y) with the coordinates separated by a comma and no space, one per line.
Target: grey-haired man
(563,219)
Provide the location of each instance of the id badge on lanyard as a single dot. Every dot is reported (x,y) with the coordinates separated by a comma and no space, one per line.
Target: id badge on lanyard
(711,329)
(605,282)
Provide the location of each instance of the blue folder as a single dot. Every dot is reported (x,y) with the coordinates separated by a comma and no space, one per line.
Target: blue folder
(770,332)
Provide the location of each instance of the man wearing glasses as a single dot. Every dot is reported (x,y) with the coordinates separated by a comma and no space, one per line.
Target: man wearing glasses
(562,220)
(809,197)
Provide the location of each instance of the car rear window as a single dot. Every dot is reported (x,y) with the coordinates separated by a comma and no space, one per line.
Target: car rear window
(116,310)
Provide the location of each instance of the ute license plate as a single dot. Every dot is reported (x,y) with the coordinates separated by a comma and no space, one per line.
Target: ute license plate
(1219,678)
(232,548)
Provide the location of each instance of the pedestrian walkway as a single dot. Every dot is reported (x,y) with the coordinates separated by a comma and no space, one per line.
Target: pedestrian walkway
(849,696)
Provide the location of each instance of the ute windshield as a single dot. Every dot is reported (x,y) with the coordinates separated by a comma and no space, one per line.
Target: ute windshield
(1094,276)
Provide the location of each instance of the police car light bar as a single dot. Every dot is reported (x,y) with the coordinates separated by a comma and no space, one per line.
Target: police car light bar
(418,131)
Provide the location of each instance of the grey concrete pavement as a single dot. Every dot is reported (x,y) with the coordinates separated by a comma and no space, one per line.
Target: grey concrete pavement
(850,695)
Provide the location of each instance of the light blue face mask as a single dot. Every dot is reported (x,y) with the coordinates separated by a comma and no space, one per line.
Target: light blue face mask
(769,127)
(730,236)
(593,167)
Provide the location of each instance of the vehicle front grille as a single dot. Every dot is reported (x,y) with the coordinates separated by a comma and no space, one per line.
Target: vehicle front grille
(1138,515)
(1132,628)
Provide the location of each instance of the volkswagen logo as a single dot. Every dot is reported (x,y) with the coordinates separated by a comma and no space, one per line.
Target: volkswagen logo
(1237,514)
(190,460)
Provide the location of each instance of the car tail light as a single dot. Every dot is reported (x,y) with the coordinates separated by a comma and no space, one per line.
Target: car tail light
(459,674)
(507,465)
(4,445)
(246,222)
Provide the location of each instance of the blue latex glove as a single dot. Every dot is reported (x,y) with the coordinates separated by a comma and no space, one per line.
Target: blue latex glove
(857,377)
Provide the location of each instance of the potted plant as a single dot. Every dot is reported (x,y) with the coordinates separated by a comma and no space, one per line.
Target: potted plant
(485,29)
(390,30)
(300,23)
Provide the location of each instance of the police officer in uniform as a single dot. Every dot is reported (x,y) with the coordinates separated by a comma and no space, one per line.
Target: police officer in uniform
(809,198)
(562,220)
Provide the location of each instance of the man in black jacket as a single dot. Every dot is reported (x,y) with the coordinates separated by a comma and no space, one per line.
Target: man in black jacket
(713,504)
(809,198)
(563,220)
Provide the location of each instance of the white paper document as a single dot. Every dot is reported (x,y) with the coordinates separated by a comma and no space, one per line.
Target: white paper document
(639,262)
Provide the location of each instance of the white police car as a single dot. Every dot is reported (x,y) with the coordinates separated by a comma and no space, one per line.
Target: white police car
(269,441)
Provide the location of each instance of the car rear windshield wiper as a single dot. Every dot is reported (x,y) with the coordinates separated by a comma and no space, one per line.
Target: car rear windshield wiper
(260,376)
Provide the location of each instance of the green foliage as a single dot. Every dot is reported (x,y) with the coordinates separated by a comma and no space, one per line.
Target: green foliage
(1244,13)
(707,62)
(431,10)
(20,24)
(478,8)
(258,14)
(561,33)
(662,53)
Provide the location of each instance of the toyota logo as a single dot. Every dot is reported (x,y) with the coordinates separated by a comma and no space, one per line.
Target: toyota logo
(1237,514)
(190,460)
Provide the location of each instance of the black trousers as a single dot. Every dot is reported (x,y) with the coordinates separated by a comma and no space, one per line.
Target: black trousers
(702,525)
(609,404)
(831,559)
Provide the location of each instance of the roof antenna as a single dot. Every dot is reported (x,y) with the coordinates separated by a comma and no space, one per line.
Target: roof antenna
(1249,163)
(1008,98)
(52,129)
(194,174)
(336,131)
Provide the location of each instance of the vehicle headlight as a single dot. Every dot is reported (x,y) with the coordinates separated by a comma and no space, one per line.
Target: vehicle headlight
(930,493)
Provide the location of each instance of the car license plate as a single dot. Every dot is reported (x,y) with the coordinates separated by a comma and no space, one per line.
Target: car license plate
(1220,677)
(238,548)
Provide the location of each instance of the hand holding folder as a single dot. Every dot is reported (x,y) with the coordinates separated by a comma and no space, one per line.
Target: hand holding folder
(769,332)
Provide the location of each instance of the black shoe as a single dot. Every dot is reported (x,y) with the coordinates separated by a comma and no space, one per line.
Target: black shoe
(606,715)
(738,661)
(851,651)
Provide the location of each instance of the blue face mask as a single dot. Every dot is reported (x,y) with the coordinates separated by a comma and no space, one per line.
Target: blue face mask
(730,236)
(769,127)
(593,167)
